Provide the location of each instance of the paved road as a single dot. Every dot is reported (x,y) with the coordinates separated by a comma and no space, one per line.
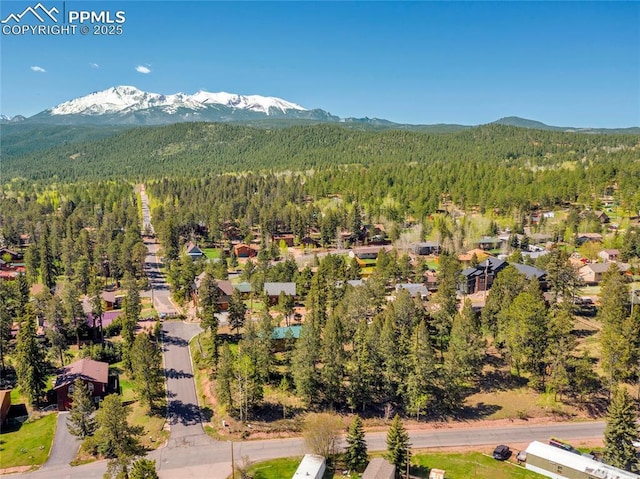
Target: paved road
(212,461)
(159,288)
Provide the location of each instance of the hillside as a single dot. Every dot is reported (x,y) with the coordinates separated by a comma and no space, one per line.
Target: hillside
(196,149)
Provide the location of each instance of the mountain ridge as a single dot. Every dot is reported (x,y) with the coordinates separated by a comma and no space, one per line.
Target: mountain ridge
(129,106)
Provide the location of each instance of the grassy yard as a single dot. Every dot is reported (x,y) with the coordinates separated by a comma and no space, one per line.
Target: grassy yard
(467,466)
(211,253)
(457,466)
(29,445)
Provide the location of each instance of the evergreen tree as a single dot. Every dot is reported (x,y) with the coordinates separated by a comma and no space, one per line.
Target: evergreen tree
(115,437)
(73,314)
(361,370)
(81,422)
(614,300)
(224,377)
(209,307)
(305,358)
(97,310)
(143,469)
(333,359)
(445,298)
(131,315)
(356,454)
(508,284)
(31,367)
(422,368)
(146,365)
(398,446)
(621,432)
(47,267)
(237,311)
(56,330)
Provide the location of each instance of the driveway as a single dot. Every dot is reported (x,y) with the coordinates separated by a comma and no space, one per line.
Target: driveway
(65,445)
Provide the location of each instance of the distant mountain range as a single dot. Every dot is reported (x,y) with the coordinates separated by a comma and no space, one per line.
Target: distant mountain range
(129,106)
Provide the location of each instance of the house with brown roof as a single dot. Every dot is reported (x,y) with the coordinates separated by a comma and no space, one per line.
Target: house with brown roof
(243,250)
(225,290)
(94,373)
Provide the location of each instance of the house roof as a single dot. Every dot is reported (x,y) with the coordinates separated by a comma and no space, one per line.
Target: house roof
(244,287)
(85,369)
(193,250)
(611,252)
(490,265)
(108,317)
(281,332)
(414,289)
(489,240)
(529,271)
(310,466)
(604,267)
(224,285)
(577,462)
(428,244)
(274,289)
(379,468)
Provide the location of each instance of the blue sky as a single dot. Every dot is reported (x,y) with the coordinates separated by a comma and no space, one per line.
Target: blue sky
(563,63)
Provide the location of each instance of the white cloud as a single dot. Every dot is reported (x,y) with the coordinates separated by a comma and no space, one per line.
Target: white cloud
(94,65)
(143,69)
(38,69)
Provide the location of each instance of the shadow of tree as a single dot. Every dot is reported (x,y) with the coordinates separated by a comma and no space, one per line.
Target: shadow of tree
(187,414)
(175,374)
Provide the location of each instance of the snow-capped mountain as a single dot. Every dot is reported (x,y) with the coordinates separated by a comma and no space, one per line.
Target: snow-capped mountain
(124,100)
(11,119)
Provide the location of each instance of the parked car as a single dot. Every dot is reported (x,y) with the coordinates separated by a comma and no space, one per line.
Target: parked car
(502,453)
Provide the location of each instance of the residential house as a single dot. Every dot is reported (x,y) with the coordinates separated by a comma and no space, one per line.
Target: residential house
(414,289)
(287,238)
(431,280)
(487,243)
(312,466)
(593,273)
(582,238)
(243,250)
(225,291)
(5,404)
(481,277)
(193,250)
(467,257)
(558,463)
(309,242)
(281,335)
(244,288)
(602,217)
(273,290)
(9,255)
(427,248)
(112,300)
(379,468)
(94,373)
(366,252)
(609,255)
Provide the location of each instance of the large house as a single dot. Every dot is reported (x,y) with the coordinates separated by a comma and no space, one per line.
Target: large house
(593,273)
(609,255)
(481,277)
(94,373)
(379,468)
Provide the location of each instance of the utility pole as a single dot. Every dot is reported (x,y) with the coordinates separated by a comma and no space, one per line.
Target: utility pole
(233,464)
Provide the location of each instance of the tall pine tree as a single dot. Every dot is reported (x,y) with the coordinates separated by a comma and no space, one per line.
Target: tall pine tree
(398,446)
(81,422)
(621,432)
(356,454)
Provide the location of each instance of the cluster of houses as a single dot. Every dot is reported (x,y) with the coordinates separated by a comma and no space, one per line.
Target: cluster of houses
(11,264)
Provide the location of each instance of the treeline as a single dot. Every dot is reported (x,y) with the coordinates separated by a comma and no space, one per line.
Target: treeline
(491,166)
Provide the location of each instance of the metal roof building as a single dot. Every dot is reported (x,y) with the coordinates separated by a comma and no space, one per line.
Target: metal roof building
(557,463)
(312,466)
